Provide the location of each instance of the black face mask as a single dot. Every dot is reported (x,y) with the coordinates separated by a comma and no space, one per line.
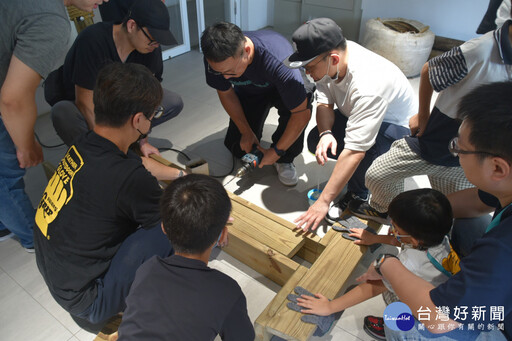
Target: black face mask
(142,135)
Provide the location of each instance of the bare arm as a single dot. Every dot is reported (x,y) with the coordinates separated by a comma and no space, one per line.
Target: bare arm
(232,105)
(323,307)
(325,121)
(19,111)
(160,171)
(467,204)
(418,122)
(347,163)
(84,103)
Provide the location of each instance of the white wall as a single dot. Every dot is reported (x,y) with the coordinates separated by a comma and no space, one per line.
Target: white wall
(255,14)
(457,19)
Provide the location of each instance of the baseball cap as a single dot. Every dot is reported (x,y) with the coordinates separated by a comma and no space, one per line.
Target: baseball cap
(312,39)
(153,15)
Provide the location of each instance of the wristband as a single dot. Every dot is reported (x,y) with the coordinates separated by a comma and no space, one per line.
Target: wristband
(325,132)
(380,260)
(180,174)
(278,151)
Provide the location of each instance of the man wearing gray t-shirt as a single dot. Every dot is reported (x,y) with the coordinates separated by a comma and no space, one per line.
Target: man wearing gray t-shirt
(34,35)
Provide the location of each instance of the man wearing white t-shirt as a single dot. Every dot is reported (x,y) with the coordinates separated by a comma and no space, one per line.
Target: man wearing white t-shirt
(374,103)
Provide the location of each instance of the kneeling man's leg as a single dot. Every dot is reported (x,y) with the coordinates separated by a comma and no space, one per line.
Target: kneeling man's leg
(115,285)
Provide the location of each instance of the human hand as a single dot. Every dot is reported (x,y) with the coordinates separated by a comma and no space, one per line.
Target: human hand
(326,142)
(364,237)
(313,216)
(31,156)
(247,141)
(147,149)
(269,156)
(369,275)
(318,305)
(417,124)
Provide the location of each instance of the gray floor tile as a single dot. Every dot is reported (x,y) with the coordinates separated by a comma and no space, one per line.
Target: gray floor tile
(22,318)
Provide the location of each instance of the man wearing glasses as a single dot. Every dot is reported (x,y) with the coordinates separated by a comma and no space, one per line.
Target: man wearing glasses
(136,40)
(99,217)
(247,71)
(374,101)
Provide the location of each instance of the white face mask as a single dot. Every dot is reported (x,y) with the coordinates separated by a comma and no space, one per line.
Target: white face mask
(326,79)
(308,76)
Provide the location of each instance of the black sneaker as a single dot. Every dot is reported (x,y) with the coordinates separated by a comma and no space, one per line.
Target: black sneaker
(365,211)
(336,210)
(374,326)
(5,234)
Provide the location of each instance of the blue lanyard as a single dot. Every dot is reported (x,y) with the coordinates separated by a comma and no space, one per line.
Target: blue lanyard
(496,220)
(437,265)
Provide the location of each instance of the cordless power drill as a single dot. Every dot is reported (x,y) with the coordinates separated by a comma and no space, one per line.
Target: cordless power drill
(251,160)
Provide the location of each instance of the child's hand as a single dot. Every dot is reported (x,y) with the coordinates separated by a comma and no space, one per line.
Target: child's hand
(365,237)
(319,305)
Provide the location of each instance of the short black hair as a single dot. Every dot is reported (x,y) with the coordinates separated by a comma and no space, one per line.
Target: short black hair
(221,41)
(194,210)
(487,110)
(425,214)
(122,90)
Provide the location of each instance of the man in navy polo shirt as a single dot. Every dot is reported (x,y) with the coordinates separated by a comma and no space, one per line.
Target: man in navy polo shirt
(247,71)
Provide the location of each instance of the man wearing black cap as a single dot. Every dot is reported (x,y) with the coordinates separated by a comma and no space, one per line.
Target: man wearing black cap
(374,100)
(247,71)
(136,40)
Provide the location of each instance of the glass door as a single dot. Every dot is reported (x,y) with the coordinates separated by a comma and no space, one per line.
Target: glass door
(211,11)
(179,27)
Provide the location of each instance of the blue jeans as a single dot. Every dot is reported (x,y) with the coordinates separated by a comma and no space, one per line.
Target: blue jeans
(455,335)
(388,133)
(16,211)
(115,285)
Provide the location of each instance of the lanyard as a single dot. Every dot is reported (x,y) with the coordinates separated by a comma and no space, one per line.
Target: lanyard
(496,220)
(437,265)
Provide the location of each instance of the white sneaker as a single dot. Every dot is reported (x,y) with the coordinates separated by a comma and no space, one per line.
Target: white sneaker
(286,173)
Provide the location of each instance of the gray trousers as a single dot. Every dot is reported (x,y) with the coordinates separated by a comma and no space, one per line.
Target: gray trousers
(69,122)
(385,177)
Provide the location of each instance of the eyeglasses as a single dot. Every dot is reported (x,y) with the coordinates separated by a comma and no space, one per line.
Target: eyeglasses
(454,149)
(217,73)
(395,234)
(152,42)
(308,68)
(156,114)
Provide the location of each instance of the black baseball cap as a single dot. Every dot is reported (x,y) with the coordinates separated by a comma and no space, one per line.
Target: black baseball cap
(312,39)
(153,14)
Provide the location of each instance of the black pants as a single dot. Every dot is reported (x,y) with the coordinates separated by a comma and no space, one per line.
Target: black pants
(256,109)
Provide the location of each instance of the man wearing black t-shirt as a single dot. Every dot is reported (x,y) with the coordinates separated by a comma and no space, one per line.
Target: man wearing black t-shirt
(98,219)
(247,71)
(135,40)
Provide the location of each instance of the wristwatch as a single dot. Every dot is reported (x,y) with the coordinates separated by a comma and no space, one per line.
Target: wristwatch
(380,260)
(279,152)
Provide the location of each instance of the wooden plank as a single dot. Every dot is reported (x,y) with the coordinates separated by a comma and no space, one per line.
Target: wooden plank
(327,275)
(260,257)
(109,330)
(263,227)
(280,299)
